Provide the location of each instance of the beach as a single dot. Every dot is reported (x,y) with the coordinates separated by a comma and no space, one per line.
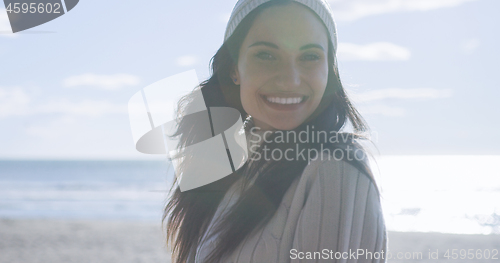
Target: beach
(415,242)
(68,241)
(58,241)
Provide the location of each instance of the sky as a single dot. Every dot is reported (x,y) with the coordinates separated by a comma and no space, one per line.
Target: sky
(423,73)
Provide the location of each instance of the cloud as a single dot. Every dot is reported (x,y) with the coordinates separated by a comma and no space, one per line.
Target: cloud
(108,82)
(186,61)
(349,10)
(380,51)
(470,45)
(13,101)
(86,108)
(53,129)
(423,93)
(18,102)
(370,100)
(381,109)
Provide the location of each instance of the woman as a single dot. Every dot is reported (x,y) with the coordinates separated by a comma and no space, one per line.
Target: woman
(277,66)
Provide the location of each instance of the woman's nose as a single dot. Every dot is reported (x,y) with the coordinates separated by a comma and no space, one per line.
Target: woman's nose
(288,76)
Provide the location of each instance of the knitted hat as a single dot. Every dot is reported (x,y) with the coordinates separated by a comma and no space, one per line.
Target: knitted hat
(320,7)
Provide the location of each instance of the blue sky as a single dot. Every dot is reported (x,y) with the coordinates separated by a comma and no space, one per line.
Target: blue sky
(422,72)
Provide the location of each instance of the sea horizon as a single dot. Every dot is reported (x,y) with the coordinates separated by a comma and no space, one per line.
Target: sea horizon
(419,193)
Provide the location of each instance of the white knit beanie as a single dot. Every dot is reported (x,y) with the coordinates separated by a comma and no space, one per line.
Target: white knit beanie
(320,7)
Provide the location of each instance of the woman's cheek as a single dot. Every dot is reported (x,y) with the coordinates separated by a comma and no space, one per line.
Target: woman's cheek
(259,71)
(249,98)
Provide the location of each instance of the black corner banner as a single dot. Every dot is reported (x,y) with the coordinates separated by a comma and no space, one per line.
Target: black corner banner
(25,14)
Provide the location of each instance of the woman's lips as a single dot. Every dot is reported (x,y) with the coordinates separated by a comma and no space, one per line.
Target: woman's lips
(284,103)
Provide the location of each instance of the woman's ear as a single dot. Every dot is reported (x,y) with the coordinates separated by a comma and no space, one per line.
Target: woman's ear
(235,75)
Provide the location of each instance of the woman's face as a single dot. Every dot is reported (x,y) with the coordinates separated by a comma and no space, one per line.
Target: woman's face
(283,66)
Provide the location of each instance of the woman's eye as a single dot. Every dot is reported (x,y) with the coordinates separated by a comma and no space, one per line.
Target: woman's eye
(265,56)
(310,57)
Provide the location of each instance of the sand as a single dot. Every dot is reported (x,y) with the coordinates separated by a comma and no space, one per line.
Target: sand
(432,242)
(58,241)
(55,241)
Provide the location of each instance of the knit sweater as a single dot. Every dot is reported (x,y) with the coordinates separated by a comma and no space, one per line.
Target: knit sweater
(331,213)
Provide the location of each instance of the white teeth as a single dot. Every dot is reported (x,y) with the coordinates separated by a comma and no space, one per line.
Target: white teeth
(285,100)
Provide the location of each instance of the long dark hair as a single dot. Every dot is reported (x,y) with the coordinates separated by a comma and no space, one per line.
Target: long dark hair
(189,213)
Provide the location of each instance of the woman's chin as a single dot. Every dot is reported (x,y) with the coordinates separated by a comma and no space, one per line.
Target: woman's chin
(280,125)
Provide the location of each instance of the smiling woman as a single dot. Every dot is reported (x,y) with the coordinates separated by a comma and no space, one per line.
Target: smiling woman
(283,77)
(277,66)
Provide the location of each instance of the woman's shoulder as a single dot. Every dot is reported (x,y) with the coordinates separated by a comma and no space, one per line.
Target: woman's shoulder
(339,208)
(335,166)
(327,172)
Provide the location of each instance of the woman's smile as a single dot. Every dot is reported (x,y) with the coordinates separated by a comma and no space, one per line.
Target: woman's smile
(284,102)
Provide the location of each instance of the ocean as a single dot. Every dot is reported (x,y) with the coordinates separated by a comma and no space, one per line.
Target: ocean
(447,194)
(114,190)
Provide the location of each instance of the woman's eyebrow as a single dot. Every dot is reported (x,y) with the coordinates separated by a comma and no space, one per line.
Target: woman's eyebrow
(272,45)
(308,46)
(264,43)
